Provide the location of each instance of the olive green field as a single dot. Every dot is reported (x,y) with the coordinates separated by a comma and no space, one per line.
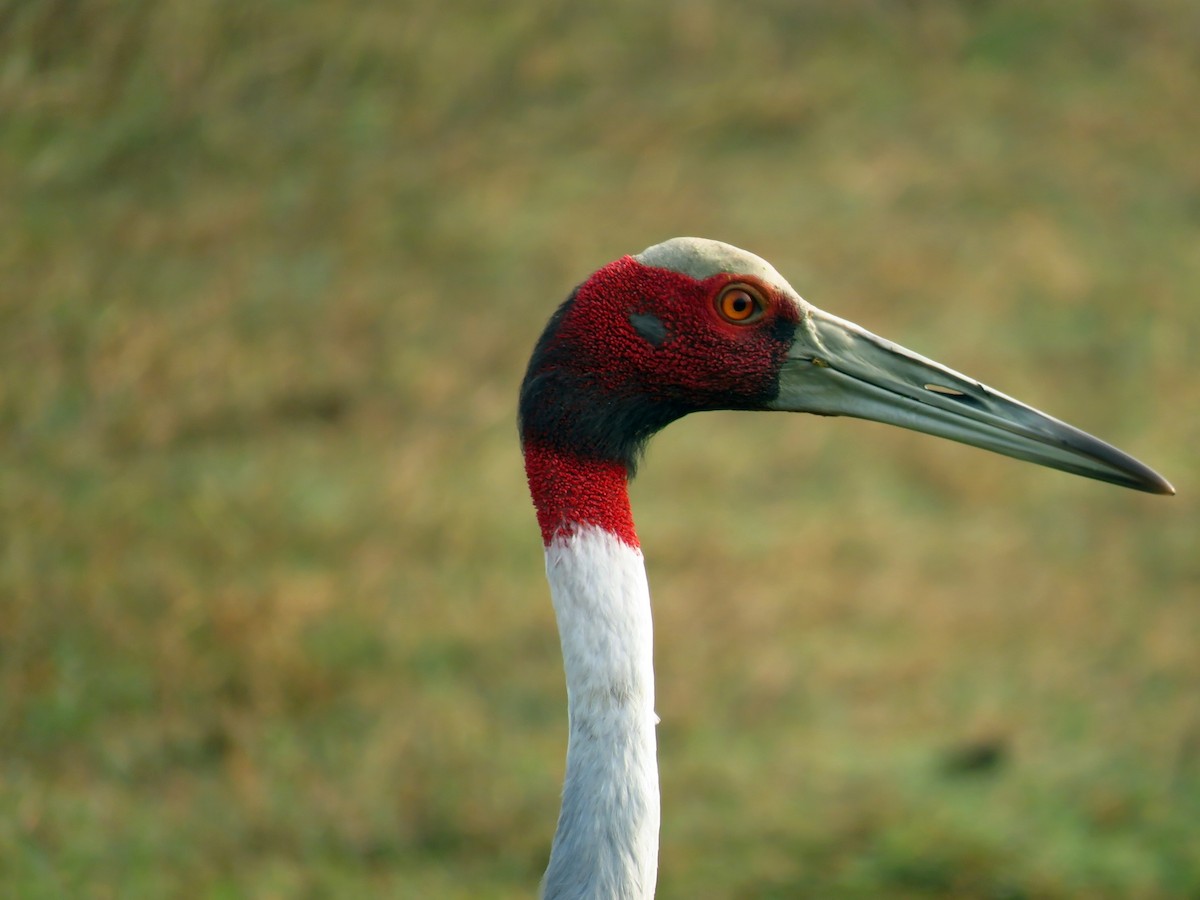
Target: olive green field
(273,614)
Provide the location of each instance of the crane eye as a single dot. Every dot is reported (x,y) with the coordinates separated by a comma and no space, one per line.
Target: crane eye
(739,304)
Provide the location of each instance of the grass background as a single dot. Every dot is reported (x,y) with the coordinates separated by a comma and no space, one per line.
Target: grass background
(272,615)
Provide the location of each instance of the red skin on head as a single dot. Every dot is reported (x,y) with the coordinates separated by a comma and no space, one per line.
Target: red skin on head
(696,360)
(705,360)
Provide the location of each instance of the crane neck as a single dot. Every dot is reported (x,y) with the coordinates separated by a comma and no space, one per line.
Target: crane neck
(606,843)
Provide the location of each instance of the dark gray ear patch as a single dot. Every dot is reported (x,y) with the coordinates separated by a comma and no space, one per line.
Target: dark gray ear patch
(649,326)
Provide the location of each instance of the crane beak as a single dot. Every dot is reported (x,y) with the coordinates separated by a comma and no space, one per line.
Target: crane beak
(835,368)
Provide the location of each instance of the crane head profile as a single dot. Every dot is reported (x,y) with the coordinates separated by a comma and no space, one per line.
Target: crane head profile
(693,324)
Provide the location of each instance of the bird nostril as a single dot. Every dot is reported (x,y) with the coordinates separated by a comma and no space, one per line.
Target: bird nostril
(955,394)
(945,391)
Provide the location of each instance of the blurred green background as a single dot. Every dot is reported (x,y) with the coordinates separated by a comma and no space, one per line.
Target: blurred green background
(273,621)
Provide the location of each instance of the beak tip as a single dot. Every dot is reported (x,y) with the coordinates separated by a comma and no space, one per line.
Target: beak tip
(1153,483)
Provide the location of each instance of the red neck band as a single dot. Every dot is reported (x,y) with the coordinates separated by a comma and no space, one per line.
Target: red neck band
(569,492)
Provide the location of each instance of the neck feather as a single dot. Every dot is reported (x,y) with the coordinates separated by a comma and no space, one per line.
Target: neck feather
(606,844)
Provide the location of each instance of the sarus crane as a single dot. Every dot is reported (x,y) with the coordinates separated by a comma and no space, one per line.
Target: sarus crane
(689,325)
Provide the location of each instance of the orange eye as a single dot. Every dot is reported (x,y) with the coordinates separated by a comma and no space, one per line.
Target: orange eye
(739,305)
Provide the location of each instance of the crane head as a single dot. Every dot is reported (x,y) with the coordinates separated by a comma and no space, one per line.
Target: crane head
(693,324)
